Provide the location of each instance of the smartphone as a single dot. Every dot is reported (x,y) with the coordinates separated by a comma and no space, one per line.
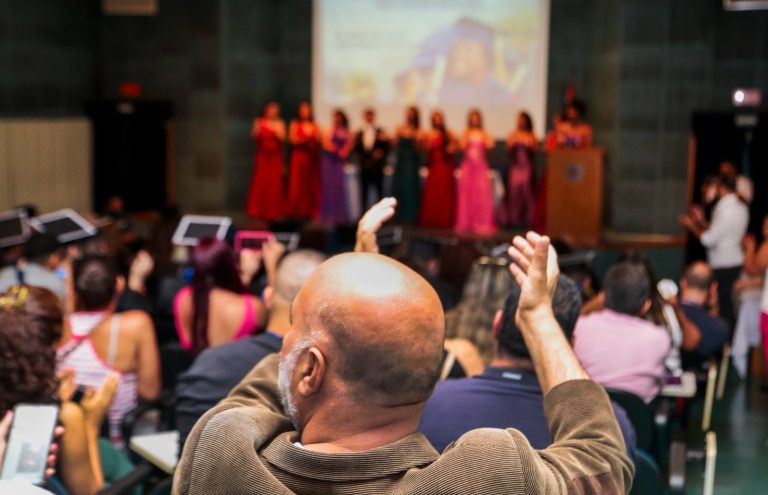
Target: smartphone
(29,442)
(252,239)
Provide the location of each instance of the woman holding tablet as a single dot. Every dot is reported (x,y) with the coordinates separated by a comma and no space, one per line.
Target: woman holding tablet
(217,307)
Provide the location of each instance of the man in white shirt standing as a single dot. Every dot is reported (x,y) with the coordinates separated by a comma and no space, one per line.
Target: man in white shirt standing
(723,240)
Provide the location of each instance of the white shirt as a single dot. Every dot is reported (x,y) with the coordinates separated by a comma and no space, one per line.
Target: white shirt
(369,136)
(724,235)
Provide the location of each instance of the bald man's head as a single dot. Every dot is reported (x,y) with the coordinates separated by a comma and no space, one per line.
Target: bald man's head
(698,276)
(379,325)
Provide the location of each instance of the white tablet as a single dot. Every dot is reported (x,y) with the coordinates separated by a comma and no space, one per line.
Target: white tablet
(192,228)
(67,225)
(14,228)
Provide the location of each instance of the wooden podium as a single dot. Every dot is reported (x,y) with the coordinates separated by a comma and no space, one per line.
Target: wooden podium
(575,194)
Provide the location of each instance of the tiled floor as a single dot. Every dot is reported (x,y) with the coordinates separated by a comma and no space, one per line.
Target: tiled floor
(740,420)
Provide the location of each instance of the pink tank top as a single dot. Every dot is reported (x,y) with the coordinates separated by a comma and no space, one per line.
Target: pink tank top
(91,370)
(247,327)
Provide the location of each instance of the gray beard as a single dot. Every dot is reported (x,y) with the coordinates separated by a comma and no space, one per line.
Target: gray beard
(286,370)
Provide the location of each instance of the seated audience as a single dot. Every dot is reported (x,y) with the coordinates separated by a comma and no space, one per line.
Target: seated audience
(217,308)
(98,342)
(338,411)
(507,394)
(217,370)
(30,325)
(37,267)
(698,292)
(616,345)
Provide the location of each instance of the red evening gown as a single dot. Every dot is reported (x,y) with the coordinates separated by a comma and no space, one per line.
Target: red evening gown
(304,184)
(265,196)
(438,196)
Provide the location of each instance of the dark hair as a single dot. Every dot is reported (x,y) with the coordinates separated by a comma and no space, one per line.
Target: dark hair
(627,288)
(579,106)
(342,117)
(40,246)
(215,266)
(30,325)
(472,112)
(528,122)
(656,311)
(311,114)
(95,278)
(698,278)
(369,111)
(727,181)
(415,119)
(566,305)
(441,128)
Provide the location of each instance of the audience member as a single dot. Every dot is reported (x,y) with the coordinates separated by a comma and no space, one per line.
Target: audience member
(97,342)
(356,368)
(30,325)
(507,394)
(722,239)
(217,308)
(37,267)
(698,292)
(745,189)
(617,346)
(217,370)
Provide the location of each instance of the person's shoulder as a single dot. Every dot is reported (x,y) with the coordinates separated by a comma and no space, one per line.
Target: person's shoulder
(135,321)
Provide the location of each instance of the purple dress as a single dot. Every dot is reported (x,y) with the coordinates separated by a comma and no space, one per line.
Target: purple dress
(517,209)
(333,201)
(474,205)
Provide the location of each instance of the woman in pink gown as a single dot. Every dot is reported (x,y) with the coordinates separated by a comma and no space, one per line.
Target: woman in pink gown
(265,196)
(474,205)
(519,204)
(304,185)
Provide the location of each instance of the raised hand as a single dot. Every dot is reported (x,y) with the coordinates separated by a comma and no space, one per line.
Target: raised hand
(95,403)
(371,222)
(535,269)
(272,251)
(142,266)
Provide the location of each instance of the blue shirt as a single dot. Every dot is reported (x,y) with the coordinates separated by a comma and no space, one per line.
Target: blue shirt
(714,331)
(214,373)
(499,398)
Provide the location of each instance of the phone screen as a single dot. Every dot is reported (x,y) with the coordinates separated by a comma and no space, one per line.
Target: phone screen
(29,442)
(252,239)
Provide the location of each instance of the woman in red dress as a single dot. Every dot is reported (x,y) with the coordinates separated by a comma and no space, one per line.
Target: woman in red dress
(438,196)
(304,183)
(265,196)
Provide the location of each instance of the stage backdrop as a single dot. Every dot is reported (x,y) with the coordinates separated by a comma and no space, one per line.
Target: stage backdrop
(447,54)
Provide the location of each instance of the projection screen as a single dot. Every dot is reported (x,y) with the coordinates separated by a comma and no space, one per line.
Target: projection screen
(448,54)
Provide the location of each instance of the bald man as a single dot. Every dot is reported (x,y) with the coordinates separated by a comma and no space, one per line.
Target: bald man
(338,411)
(698,292)
(218,369)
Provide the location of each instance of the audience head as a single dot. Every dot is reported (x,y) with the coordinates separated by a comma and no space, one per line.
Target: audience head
(30,325)
(475,119)
(369,115)
(697,282)
(43,249)
(215,267)
(484,292)
(627,289)
(524,122)
(367,333)
(412,117)
(726,184)
(340,120)
(305,112)
(655,312)
(566,305)
(292,271)
(271,110)
(728,168)
(96,282)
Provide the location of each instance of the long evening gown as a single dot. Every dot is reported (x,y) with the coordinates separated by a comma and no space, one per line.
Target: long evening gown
(474,205)
(265,196)
(405,182)
(333,201)
(437,199)
(518,207)
(304,184)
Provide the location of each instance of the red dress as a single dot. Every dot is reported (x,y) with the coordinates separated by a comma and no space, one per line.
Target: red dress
(438,196)
(265,196)
(304,184)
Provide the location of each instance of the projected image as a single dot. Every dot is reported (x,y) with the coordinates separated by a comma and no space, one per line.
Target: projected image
(453,55)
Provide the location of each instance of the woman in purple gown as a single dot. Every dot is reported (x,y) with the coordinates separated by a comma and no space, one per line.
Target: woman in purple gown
(337,143)
(474,205)
(518,206)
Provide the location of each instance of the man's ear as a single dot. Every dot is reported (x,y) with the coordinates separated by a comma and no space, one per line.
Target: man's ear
(497,324)
(646,307)
(312,368)
(268,296)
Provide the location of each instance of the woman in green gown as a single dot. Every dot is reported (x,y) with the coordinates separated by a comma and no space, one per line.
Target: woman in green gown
(406,184)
